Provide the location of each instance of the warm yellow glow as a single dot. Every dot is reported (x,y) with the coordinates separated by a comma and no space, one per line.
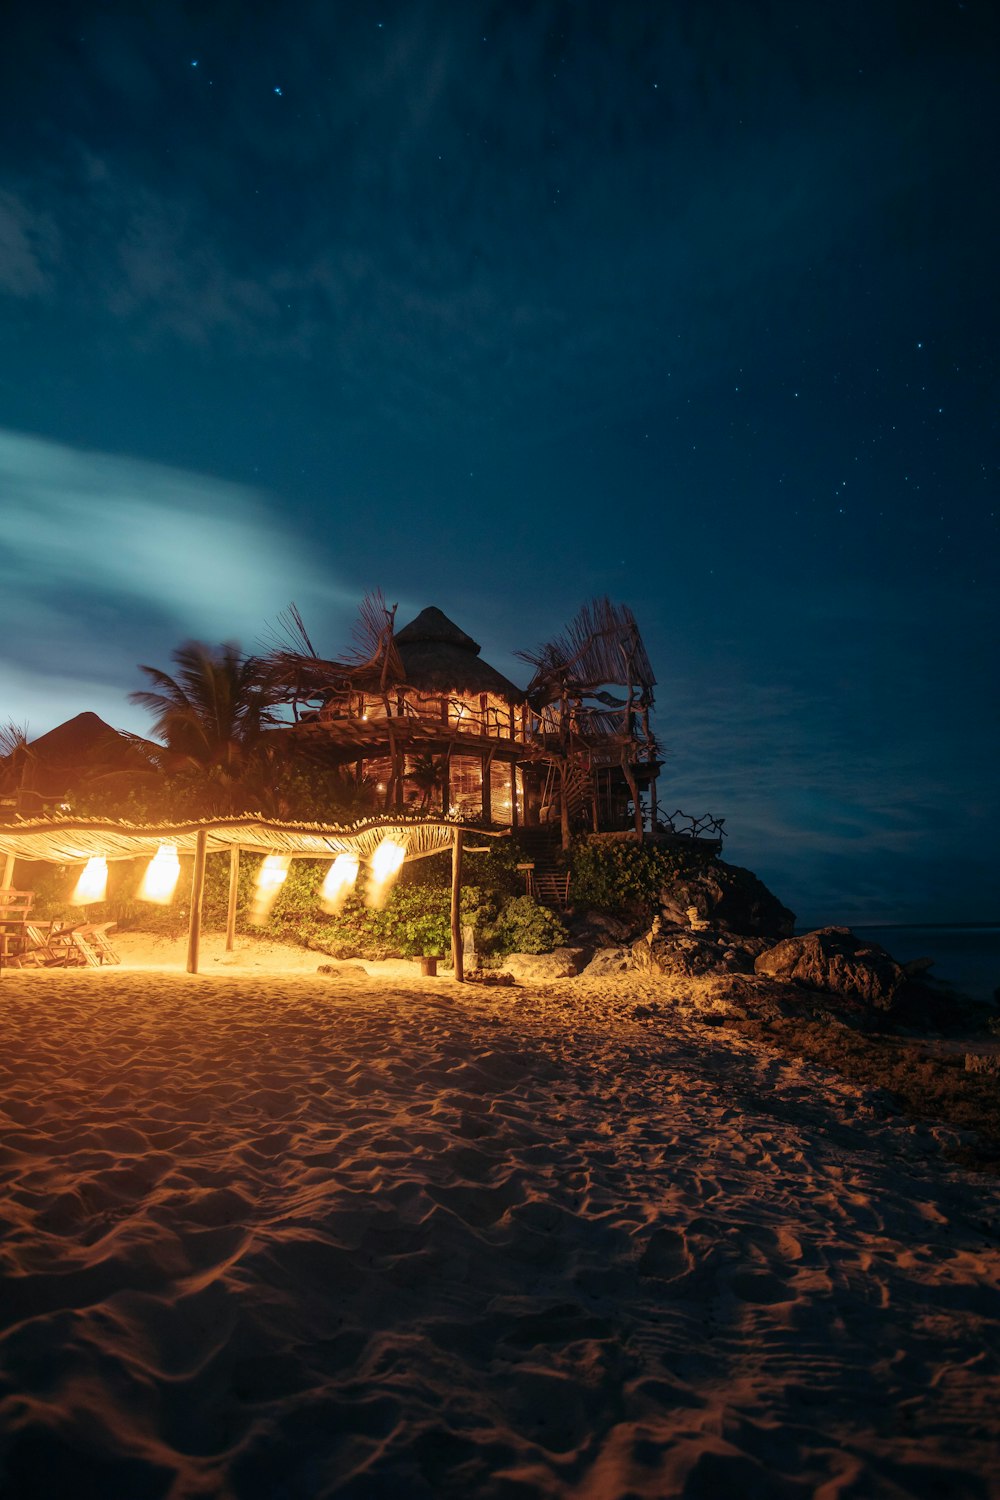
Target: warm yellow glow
(386,863)
(270,878)
(387,860)
(340,878)
(161,877)
(93,882)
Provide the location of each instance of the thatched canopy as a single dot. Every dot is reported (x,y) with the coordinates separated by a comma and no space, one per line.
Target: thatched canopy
(80,748)
(73,840)
(438,657)
(600,647)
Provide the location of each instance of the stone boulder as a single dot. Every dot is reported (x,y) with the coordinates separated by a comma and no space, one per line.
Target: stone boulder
(608,961)
(727,896)
(681,953)
(540,968)
(833,958)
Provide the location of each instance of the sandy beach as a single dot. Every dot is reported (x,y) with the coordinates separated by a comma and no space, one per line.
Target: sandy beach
(276,1235)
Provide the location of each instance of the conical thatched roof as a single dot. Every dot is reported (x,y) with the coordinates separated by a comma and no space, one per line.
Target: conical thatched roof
(84,745)
(438,656)
(80,740)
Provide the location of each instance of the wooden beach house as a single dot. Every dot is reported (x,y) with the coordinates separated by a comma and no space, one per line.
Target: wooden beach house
(426,726)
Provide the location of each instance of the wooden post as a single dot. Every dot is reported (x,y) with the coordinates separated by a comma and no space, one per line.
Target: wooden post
(7,882)
(513,796)
(487,797)
(197,892)
(456,914)
(234,881)
(564,804)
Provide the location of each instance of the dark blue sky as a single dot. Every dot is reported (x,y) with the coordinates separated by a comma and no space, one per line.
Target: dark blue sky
(500,306)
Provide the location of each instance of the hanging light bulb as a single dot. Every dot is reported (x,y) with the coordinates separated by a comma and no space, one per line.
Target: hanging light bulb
(270,878)
(340,878)
(386,864)
(93,882)
(161,877)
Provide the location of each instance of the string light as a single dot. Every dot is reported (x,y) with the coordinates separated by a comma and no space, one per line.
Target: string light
(270,878)
(93,882)
(161,877)
(386,863)
(340,878)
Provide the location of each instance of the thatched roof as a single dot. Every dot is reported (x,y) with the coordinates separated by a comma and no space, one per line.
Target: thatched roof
(438,657)
(72,840)
(79,741)
(82,746)
(601,646)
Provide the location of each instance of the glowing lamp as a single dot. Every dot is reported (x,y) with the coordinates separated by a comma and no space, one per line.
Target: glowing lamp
(93,882)
(386,864)
(270,878)
(387,860)
(340,877)
(161,877)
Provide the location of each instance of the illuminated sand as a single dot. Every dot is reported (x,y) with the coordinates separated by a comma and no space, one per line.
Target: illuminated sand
(273,1235)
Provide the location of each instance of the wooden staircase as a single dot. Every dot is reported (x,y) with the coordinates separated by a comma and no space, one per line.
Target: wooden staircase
(550,878)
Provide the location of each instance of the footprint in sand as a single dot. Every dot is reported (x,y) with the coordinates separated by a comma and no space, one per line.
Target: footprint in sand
(759,1287)
(666,1256)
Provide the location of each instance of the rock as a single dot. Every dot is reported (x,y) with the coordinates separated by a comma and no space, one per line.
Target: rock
(727,896)
(540,968)
(683,952)
(982,1062)
(608,961)
(353,971)
(832,958)
(613,928)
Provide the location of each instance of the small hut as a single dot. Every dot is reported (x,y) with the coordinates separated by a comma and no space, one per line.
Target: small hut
(430,728)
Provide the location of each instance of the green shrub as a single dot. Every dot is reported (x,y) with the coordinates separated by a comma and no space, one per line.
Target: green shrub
(524,926)
(625,877)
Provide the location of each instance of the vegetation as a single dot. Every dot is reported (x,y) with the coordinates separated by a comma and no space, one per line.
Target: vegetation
(416,918)
(624,877)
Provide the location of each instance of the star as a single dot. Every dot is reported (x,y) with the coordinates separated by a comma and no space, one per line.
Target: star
(278,92)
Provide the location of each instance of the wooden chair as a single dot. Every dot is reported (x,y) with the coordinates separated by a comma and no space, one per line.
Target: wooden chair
(15,909)
(37,951)
(97,936)
(80,939)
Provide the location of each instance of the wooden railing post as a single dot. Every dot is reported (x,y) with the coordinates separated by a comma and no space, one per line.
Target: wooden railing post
(197,895)
(234,882)
(456,913)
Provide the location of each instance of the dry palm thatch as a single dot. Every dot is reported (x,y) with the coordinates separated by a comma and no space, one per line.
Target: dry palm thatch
(601,645)
(439,657)
(292,672)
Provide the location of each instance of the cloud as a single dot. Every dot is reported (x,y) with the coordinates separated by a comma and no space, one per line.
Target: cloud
(28,247)
(107,557)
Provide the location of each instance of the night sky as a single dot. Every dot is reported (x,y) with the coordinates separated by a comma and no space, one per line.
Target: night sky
(501,306)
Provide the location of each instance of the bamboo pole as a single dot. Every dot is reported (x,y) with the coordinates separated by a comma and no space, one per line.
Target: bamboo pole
(234,882)
(7,882)
(197,893)
(456,913)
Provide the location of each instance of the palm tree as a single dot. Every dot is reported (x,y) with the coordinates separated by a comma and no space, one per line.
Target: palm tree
(210,716)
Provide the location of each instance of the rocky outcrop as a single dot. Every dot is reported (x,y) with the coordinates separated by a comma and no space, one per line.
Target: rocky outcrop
(681,952)
(833,958)
(730,897)
(609,961)
(540,968)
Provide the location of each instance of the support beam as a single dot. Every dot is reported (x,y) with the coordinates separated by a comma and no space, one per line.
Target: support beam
(7,881)
(234,883)
(456,913)
(197,894)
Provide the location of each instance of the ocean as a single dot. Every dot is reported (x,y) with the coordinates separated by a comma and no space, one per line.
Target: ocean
(966,957)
